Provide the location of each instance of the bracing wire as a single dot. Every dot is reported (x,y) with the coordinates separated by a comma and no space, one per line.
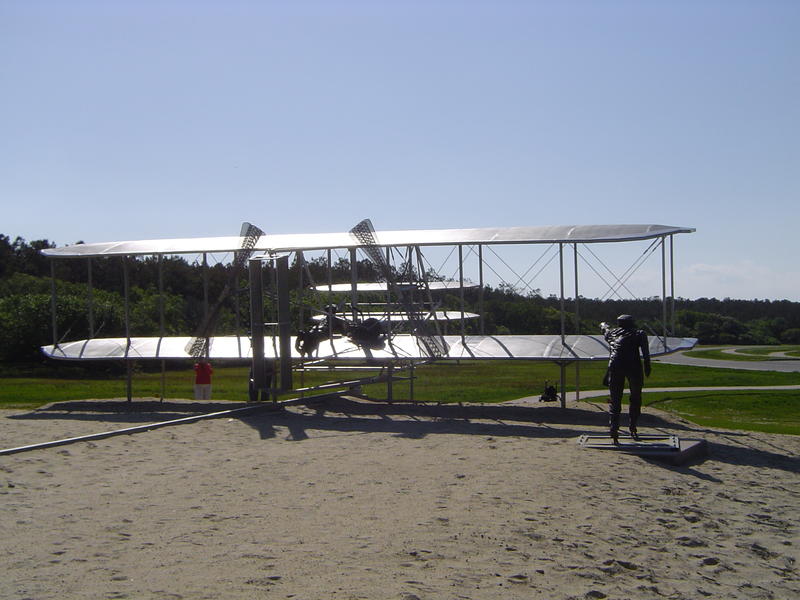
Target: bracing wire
(499,276)
(520,278)
(637,264)
(539,272)
(470,252)
(621,281)
(446,258)
(603,279)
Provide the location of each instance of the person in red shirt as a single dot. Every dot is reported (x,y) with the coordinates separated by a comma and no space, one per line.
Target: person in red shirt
(202,380)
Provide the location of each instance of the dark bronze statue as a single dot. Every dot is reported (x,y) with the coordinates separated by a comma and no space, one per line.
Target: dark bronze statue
(628,347)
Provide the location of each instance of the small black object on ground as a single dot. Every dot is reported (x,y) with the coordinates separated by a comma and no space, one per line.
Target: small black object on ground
(550,393)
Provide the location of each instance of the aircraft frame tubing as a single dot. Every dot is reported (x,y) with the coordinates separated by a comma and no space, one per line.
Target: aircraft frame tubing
(668,316)
(254,407)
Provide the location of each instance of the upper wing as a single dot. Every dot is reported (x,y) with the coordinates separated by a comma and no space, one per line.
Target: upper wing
(412,237)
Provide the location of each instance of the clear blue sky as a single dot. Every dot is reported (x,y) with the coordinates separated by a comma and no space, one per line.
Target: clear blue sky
(147,119)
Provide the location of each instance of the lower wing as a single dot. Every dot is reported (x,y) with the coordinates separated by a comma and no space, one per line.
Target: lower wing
(341,350)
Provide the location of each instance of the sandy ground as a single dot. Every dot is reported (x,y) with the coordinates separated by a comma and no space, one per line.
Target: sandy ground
(353,499)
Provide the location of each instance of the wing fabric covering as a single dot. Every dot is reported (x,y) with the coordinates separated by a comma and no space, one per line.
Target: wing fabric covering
(342,351)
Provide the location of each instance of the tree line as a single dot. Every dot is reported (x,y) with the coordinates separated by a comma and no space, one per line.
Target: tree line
(180,290)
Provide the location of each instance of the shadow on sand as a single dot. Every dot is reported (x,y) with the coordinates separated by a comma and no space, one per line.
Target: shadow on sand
(417,420)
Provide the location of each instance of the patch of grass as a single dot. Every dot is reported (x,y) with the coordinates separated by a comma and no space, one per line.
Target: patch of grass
(475,381)
(774,411)
(665,375)
(770,411)
(32,392)
(28,392)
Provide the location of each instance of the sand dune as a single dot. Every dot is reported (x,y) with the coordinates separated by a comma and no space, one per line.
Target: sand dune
(352,499)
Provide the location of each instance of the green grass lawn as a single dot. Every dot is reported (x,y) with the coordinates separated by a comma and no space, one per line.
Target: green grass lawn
(229,383)
(770,411)
(470,381)
(775,411)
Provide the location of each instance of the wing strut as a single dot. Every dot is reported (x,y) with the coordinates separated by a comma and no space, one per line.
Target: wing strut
(431,339)
(198,346)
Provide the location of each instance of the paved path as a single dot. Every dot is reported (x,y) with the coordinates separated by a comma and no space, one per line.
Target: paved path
(586,394)
(679,358)
(784,354)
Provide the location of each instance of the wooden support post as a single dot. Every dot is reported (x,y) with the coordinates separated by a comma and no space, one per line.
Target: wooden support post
(90,296)
(205,301)
(284,323)
(561,288)
(664,289)
(329,303)
(54,321)
(480,289)
(461,291)
(300,259)
(237,314)
(330,276)
(577,322)
(563,322)
(353,283)
(672,282)
(258,370)
(161,323)
(128,366)
(387,298)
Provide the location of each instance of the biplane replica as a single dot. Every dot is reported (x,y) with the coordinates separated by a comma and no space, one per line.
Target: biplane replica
(406,328)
